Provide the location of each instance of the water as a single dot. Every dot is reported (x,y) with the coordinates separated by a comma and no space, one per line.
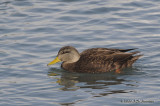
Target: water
(32,32)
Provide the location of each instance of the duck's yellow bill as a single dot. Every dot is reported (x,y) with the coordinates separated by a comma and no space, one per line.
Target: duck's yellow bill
(56,60)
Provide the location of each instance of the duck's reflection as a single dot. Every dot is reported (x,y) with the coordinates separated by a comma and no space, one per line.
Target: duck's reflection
(105,81)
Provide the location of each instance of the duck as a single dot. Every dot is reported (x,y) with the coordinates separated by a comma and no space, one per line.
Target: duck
(95,60)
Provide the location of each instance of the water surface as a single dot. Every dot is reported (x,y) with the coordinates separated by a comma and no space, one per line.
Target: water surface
(32,32)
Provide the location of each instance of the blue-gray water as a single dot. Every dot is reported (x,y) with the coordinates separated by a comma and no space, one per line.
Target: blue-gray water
(32,32)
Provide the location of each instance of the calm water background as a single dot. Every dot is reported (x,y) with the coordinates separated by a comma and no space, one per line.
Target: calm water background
(32,32)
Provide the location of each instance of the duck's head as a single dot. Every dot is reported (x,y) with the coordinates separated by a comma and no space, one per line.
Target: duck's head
(67,54)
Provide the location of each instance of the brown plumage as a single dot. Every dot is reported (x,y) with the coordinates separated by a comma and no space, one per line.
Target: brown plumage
(95,60)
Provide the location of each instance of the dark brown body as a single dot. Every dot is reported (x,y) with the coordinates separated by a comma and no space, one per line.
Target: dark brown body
(97,60)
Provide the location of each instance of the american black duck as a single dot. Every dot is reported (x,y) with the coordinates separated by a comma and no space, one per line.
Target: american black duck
(95,60)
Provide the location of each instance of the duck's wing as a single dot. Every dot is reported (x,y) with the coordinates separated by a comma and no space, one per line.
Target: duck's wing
(109,56)
(104,51)
(122,60)
(105,61)
(124,50)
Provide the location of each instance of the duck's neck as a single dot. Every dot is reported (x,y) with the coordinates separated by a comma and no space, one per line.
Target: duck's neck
(68,66)
(75,58)
(72,58)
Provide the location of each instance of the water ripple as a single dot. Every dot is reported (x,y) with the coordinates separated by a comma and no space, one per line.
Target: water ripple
(32,32)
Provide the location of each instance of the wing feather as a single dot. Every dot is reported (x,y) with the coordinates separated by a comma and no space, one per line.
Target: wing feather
(103,59)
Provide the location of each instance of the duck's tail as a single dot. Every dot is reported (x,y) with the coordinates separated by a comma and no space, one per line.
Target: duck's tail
(134,58)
